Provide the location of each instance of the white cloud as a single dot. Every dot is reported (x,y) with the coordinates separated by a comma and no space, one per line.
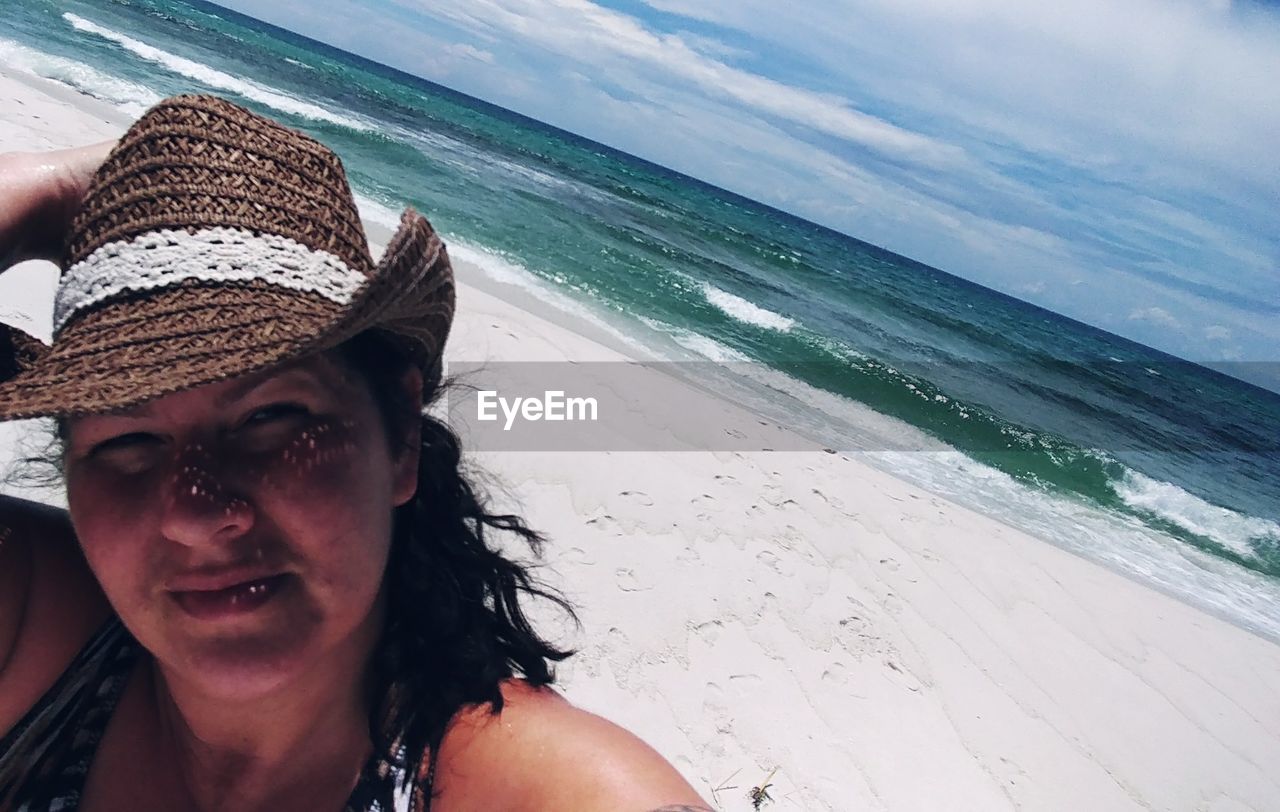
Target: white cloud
(1191,77)
(1216,332)
(581,31)
(712,47)
(1155,315)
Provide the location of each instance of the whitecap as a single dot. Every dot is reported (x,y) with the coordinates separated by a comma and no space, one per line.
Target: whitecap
(217,79)
(129,97)
(742,310)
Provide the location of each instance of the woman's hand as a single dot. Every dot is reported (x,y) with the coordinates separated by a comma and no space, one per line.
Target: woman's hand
(39,195)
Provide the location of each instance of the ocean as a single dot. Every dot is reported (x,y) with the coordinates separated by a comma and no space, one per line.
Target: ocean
(1158,468)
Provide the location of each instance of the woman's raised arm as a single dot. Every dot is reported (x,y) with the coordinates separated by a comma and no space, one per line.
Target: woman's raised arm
(39,194)
(48,600)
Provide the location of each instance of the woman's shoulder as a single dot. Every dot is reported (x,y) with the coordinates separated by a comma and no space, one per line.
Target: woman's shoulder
(50,603)
(542,752)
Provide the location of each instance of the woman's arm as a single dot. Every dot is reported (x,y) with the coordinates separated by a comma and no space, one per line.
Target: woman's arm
(50,603)
(15,578)
(39,194)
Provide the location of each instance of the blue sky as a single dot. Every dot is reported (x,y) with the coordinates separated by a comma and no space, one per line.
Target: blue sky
(1107,159)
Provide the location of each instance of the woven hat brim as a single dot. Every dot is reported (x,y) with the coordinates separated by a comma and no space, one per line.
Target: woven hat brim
(18,351)
(198,333)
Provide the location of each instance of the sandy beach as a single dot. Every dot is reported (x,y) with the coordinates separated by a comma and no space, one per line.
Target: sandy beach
(802,615)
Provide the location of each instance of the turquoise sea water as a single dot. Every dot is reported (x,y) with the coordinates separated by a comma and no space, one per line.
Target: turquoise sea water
(1159,468)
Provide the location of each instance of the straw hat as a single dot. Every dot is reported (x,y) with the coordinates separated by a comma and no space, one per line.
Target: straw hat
(214,242)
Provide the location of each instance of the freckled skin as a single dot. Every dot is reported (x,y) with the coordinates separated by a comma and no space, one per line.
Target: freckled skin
(212,487)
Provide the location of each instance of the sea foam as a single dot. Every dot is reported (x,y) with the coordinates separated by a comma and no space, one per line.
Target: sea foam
(1236,532)
(736,307)
(129,97)
(216,78)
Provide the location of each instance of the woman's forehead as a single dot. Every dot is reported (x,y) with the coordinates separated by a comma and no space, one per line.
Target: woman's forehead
(320,370)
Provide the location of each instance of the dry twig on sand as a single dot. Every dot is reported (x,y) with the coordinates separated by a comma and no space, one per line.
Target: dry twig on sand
(723,785)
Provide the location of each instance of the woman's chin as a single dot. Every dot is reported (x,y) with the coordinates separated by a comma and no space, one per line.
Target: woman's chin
(245,654)
(239,650)
(241,666)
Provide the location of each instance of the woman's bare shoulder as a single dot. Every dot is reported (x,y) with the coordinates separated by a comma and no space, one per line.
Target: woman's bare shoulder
(17,513)
(49,602)
(541,752)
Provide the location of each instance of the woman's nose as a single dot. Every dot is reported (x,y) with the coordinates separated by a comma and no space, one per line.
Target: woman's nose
(199,507)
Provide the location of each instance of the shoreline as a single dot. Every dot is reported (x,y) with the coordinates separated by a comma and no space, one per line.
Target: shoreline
(882,647)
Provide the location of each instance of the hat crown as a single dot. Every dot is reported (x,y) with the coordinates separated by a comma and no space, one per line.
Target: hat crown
(198,162)
(213,243)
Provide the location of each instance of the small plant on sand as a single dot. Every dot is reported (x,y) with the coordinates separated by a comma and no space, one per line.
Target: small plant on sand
(759,794)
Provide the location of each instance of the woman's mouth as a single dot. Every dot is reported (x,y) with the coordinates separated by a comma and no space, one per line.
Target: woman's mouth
(232,601)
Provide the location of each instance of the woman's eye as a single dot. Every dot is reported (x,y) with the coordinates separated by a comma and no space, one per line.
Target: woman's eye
(265,429)
(274,412)
(123,441)
(128,453)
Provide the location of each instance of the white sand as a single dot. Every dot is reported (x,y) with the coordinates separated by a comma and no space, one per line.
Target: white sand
(881,647)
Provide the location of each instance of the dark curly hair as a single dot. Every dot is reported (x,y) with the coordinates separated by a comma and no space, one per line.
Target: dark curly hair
(456,626)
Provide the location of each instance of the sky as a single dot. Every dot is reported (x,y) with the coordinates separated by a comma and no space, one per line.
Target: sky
(1111,160)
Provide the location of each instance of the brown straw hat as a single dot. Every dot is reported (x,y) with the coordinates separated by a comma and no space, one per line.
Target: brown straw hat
(214,242)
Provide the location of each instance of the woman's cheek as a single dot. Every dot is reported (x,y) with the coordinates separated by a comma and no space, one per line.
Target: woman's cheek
(107,508)
(111,524)
(316,463)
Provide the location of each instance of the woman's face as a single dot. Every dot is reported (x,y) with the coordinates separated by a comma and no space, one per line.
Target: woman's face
(241,530)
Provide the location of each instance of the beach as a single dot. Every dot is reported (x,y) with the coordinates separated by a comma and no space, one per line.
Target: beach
(802,615)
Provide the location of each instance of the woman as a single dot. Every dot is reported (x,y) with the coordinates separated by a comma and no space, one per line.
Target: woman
(275,590)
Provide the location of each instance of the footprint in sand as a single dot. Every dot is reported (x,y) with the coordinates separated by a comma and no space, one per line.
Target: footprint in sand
(577,555)
(901,676)
(714,706)
(628,581)
(709,632)
(1011,773)
(604,523)
(706,502)
(766,610)
(639,497)
(616,644)
(744,685)
(856,635)
(836,674)
(776,496)
(833,501)
(772,561)
(716,726)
